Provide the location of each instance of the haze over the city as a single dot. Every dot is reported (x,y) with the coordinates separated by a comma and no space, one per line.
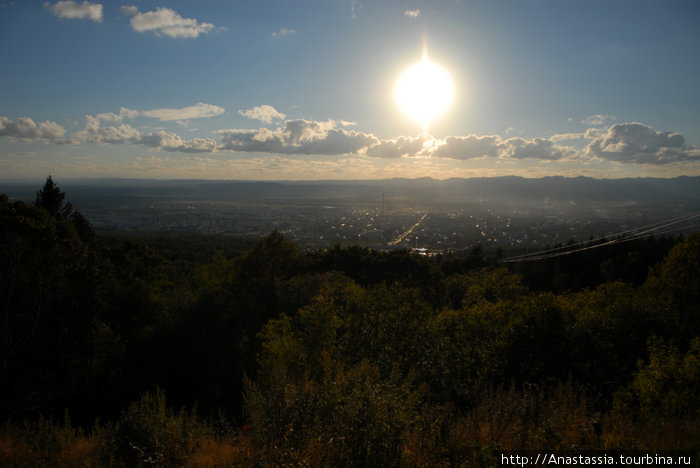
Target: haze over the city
(283,90)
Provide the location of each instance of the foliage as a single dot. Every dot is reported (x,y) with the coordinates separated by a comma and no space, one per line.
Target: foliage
(51,198)
(673,291)
(352,356)
(668,385)
(150,432)
(528,418)
(346,417)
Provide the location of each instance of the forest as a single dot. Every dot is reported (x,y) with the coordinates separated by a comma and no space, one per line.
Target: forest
(187,350)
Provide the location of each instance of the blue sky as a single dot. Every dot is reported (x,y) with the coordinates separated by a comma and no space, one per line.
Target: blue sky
(285,89)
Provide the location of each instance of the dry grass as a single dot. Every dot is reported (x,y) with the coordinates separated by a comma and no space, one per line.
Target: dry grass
(620,431)
(503,419)
(209,453)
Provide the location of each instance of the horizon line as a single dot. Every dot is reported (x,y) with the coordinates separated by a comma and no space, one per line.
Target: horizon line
(152,179)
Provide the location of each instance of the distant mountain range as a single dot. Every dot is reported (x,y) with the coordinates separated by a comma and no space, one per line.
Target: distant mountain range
(512,190)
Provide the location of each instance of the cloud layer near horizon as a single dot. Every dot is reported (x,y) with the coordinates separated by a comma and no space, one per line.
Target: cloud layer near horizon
(25,129)
(638,143)
(168,141)
(630,143)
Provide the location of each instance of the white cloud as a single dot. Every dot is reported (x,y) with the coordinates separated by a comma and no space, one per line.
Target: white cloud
(638,143)
(198,111)
(534,148)
(355,6)
(284,32)
(124,113)
(179,115)
(72,10)
(171,142)
(401,147)
(124,133)
(599,119)
(312,137)
(632,143)
(264,113)
(130,10)
(468,147)
(412,13)
(482,146)
(567,136)
(593,133)
(298,137)
(94,133)
(165,22)
(26,130)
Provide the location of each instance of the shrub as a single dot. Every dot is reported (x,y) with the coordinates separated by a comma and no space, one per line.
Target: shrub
(149,432)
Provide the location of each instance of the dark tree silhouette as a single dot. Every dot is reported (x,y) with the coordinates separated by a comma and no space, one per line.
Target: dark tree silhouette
(50,198)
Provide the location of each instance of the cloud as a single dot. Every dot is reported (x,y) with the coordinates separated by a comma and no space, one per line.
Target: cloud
(94,133)
(298,137)
(638,143)
(630,143)
(400,147)
(198,111)
(355,7)
(72,10)
(534,148)
(599,119)
(326,138)
(468,147)
(124,113)
(623,143)
(284,32)
(264,113)
(171,142)
(476,146)
(567,136)
(26,130)
(124,133)
(412,13)
(165,22)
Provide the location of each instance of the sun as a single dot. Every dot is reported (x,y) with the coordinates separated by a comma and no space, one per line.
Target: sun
(424,92)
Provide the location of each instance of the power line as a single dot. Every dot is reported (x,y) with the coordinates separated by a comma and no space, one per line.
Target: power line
(644,232)
(648,227)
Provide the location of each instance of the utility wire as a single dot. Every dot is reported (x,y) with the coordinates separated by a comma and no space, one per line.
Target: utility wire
(656,225)
(646,231)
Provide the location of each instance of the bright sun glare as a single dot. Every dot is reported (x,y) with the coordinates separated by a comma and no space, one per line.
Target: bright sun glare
(424,92)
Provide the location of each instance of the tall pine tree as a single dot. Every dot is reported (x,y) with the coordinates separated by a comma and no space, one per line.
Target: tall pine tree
(50,198)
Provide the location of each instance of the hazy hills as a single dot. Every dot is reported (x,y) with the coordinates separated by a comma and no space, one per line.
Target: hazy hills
(512,190)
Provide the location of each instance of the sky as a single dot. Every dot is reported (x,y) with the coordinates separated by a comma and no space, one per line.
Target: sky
(303,89)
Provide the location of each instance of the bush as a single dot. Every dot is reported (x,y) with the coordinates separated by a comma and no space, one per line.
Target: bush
(46,443)
(149,432)
(350,417)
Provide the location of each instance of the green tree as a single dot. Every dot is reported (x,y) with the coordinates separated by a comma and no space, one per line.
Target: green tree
(539,340)
(608,335)
(672,291)
(47,302)
(51,198)
(465,352)
(483,285)
(347,416)
(668,385)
